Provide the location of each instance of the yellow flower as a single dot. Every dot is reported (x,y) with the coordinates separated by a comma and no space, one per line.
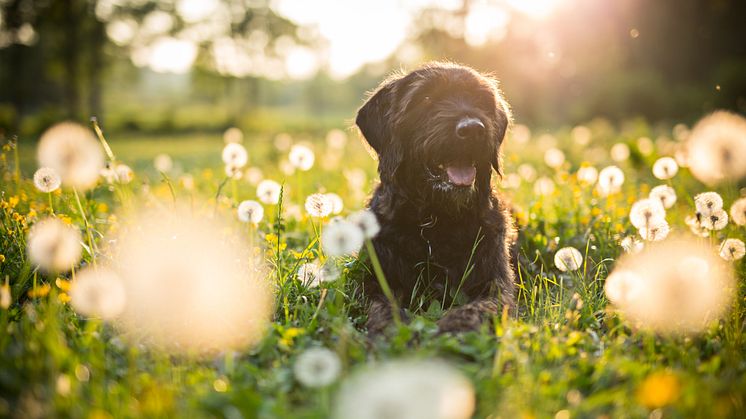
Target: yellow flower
(13,201)
(63,297)
(288,335)
(31,213)
(62,284)
(2,258)
(65,219)
(102,207)
(40,291)
(659,389)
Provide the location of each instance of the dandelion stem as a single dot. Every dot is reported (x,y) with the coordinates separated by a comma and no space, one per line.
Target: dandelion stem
(17,168)
(102,139)
(51,206)
(382,281)
(87,227)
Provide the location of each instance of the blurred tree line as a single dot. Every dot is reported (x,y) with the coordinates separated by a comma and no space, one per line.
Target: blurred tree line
(667,59)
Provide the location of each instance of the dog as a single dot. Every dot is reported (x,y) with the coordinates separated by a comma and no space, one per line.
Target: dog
(445,233)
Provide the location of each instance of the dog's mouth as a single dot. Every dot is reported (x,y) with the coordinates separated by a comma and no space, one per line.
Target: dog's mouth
(460,174)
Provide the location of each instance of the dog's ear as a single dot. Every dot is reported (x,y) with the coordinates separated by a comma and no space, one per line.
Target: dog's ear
(372,118)
(503,121)
(376,122)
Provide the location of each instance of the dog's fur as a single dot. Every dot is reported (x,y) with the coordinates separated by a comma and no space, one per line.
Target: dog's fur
(438,239)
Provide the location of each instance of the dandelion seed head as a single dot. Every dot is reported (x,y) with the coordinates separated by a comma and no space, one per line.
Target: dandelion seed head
(654,232)
(283,141)
(708,203)
(235,155)
(46,180)
(319,205)
(98,292)
(53,245)
(317,367)
(554,158)
(250,212)
(619,152)
(527,172)
(645,145)
(336,201)
(254,175)
(544,186)
(336,139)
(367,221)
(73,152)
(268,192)
(301,157)
(187,181)
(342,238)
(664,194)
(696,226)
(193,284)
(568,259)
(233,171)
(163,163)
(738,212)
(233,135)
(581,135)
(123,173)
(683,295)
(587,175)
(406,389)
(717,220)
(732,249)
(632,244)
(647,212)
(665,168)
(718,144)
(309,274)
(610,180)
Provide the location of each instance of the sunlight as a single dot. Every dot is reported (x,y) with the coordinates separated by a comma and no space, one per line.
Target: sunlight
(171,55)
(535,8)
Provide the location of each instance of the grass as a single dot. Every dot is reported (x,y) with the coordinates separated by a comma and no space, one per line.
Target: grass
(563,353)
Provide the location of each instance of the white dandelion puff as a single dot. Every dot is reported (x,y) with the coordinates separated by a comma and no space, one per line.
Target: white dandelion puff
(46,180)
(717,220)
(632,244)
(655,232)
(717,145)
(318,205)
(268,192)
(336,139)
(581,135)
(527,172)
(192,282)
(544,186)
(732,249)
(187,181)
(406,390)
(568,259)
(665,194)
(317,367)
(367,221)
(283,141)
(342,238)
(738,212)
(233,135)
(675,286)
(250,212)
(233,171)
(665,168)
(587,175)
(310,274)
(645,145)
(708,203)
(254,175)
(53,245)
(163,163)
(610,180)
(695,225)
(235,155)
(646,212)
(98,292)
(554,158)
(336,201)
(124,173)
(73,152)
(301,157)
(619,152)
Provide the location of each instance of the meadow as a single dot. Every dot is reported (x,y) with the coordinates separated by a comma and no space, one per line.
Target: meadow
(566,351)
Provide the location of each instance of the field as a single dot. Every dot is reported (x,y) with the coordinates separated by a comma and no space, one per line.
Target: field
(565,352)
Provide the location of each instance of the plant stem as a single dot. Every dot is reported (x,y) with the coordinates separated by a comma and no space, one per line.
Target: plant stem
(382,281)
(87,227)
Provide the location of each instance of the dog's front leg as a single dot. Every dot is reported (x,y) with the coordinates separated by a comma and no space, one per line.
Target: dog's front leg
(381,315)
(470,316)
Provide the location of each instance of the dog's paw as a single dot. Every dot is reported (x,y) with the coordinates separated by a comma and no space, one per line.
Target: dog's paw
(460,321)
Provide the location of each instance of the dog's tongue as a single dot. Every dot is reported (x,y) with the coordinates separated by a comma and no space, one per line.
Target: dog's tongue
(461,175)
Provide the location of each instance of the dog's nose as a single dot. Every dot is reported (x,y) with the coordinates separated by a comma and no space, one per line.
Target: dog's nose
(469,128)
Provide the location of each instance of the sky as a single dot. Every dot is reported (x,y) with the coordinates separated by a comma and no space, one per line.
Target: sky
(353,33)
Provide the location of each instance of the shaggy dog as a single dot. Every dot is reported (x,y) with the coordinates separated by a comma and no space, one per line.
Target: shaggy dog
(445,234)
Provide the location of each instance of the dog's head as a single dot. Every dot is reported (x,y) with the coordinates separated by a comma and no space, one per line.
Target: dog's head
(437,132)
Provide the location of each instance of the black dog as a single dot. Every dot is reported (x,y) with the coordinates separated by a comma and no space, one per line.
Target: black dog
(444,233)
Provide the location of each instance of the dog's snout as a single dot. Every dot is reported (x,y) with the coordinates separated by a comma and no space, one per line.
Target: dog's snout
(469,128)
